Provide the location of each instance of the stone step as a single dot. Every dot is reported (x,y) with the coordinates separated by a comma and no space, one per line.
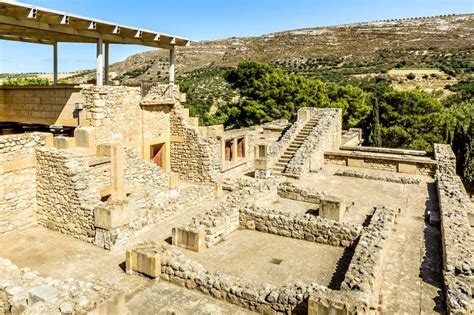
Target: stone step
(282,160)
(285,174)
(280,164)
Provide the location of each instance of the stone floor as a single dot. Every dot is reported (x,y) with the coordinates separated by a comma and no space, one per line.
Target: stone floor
(409,283)
(292,206)
(364,194)
(248,254)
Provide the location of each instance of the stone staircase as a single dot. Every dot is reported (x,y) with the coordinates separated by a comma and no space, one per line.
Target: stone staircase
(280,165)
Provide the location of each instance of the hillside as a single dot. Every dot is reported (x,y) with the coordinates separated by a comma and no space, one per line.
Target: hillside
(335,53)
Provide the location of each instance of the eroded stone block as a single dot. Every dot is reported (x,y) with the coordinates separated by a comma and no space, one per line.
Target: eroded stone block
(355,162)
(407,168)
(331,208)
(42,293)
(144,259)
(113,215)
(192,240)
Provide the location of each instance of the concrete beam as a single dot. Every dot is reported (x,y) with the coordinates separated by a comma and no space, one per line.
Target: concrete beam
(100,63)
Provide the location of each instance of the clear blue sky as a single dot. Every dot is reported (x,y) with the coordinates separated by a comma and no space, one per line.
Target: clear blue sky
(209,19)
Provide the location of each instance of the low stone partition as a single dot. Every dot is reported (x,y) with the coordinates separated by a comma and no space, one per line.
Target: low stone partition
(141,209)
(368,256)
(457,237)
(329,206)
(309,228)
(346,147)
(25,291)
(212,226)
(392,178)
(408,164)
(295,297)
(326,135)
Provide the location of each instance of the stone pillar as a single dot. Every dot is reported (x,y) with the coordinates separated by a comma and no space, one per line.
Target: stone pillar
(234,149)
(117,172)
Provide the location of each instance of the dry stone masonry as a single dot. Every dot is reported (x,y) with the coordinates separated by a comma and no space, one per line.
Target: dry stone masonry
(457,237)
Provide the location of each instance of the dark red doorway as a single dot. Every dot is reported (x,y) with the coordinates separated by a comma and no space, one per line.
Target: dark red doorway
(156,154)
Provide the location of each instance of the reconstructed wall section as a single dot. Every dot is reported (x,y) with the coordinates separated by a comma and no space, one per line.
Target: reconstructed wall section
(195,157)
(457,236)
(66,193)
(326,135)
(18,179)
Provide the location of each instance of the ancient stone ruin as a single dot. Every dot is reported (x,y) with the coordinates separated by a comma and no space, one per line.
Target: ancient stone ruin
(330,226)
(113,200)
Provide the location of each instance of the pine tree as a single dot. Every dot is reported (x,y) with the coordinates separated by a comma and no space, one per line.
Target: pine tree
(375,136)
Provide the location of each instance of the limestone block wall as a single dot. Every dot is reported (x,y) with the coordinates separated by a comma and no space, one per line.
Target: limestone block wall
(18,179)
(457,234)
(194,157)
(326,135)
(118,115)
(368,257)
(49,105)
(101,174)
(66,193)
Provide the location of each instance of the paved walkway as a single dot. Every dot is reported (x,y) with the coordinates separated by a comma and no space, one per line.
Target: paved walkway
(411,281)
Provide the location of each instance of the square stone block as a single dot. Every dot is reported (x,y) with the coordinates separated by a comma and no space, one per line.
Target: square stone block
(407,168)
(64,142)
(145,260)
(331,208)
(192,240)
(355,162)
(110,216)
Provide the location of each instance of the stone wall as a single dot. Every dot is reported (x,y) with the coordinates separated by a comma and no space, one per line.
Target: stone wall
(119,115)
(457,237)
(143,175)
(367,260)
(49,105)
(145,208)
(309,228)
(18,179)
(418,165)
(66,193)
(263,298)
(325,136)
(25,291)
(221,220)
(196,158)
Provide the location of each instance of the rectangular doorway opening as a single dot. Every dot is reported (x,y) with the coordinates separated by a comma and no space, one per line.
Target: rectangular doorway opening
(157,154)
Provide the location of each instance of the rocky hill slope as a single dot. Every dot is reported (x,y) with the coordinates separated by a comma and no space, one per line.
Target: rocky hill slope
(420,42)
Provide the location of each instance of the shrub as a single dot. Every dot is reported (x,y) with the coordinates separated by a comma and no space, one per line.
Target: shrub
(25,81)
(411,76)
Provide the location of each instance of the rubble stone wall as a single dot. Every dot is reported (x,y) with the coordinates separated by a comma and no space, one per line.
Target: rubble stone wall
(309,228)
(149,207)
(18,180)
(326,135)
(457,237)
(368,257)
(196,158)
(140,174)
(25,291)
(263,298)
(66,193)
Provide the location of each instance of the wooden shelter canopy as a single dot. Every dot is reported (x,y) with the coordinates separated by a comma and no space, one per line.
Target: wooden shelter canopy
(28,23)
